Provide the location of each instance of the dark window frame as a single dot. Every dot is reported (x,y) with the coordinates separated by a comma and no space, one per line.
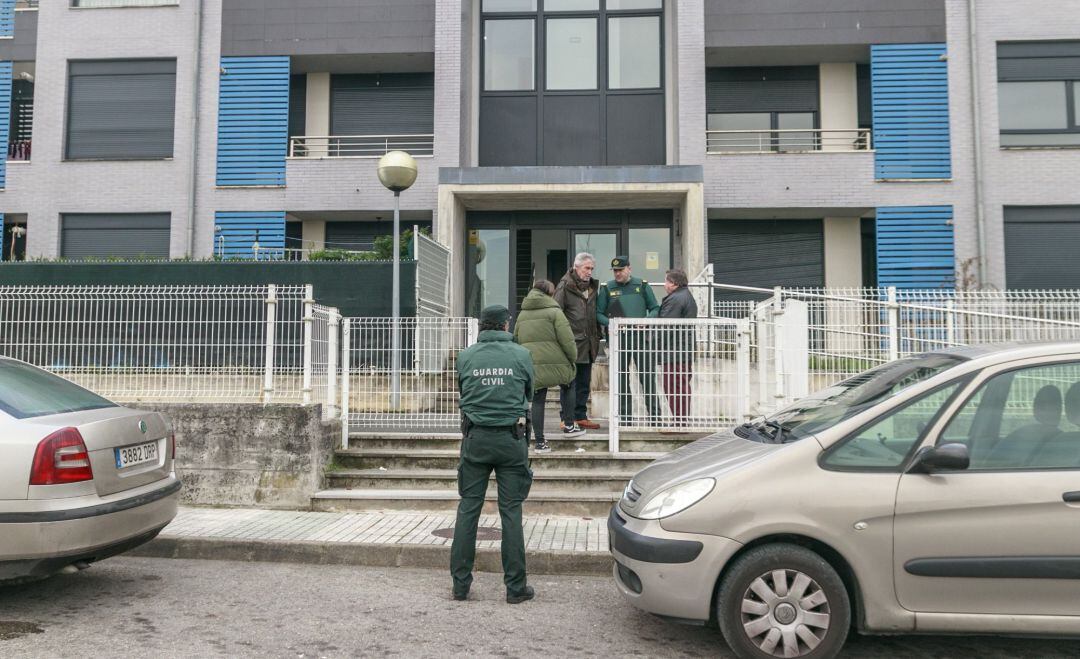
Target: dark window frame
(68,110)
(539,89)
(1032,52)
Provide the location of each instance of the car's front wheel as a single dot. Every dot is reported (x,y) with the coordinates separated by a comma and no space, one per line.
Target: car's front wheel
(783,600)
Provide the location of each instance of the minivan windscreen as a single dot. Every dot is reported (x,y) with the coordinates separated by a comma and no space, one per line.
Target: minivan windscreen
(845,399)
(27,392)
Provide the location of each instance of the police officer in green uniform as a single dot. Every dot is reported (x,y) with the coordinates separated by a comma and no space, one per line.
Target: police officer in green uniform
(627,296)
(495,378)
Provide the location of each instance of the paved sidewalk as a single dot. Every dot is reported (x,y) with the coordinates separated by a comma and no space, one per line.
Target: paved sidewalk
(555,545)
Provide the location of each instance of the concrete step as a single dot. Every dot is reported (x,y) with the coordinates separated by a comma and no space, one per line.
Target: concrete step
(600,482)
(584,461)
(592,441)
(554,502)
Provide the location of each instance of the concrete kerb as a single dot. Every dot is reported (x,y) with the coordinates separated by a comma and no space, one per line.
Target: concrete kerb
(366,555)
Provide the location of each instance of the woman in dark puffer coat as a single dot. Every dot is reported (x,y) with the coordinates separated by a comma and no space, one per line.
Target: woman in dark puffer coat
(543,329)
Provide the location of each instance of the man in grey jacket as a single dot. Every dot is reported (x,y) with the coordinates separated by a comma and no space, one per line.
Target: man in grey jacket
(576,295)
(677,350)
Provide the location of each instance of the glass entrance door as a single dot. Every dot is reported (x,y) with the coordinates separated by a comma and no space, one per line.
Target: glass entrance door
(604,245)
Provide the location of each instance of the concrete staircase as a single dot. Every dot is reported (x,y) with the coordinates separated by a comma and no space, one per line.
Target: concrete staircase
(418,471)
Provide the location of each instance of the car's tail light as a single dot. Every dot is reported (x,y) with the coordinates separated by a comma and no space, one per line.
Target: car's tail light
(61,458)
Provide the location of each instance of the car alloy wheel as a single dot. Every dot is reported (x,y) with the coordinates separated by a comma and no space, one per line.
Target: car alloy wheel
(785,613)
(783,600)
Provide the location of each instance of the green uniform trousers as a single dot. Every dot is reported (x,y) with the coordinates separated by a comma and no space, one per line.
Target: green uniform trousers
(485,449)
(645,361)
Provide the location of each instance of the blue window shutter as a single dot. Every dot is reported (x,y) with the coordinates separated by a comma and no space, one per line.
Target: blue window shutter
(5,125)
(915,247)
(235,233)
(253,121)
(910,88)
(7,18)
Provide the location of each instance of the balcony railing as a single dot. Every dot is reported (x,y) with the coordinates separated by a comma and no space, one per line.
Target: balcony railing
(787,141)
(359,146)
(19,150)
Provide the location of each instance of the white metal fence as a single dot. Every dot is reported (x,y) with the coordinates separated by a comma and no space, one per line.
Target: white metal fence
(432,276)
(428,396)
(176,343)
(754,356)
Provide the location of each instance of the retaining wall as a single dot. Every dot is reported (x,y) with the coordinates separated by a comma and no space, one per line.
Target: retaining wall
(270,456)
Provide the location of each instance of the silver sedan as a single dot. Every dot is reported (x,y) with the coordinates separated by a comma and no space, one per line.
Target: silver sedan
(81,478)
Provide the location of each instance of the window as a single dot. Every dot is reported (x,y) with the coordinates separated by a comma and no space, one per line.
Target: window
(887,442)
(508,55)
(87,4)
(1041,244)
(1038,88)
(760,135)
(509,5)
(571,5)
(26,392)
(117,235)
(121,109)
(634,52)
(617,5)
(571,53)
(1023,419)
(487,262)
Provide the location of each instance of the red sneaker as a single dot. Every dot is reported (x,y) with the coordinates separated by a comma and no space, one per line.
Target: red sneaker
(588,425)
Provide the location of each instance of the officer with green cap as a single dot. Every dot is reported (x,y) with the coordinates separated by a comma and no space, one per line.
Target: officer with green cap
(495,378)
(627,296)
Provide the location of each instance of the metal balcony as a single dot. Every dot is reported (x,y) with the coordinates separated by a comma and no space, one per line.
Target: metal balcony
(359,146)
(787,141)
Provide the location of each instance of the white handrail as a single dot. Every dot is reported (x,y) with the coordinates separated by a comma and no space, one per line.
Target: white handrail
(359,146)
(788,140)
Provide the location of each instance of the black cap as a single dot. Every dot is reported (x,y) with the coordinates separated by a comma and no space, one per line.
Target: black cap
(496,314)
(620,262)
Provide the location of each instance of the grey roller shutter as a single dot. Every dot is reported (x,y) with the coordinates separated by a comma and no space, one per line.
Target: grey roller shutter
(123,235)
(121,109)
(356,236)
(1041,247)
(767,253)
(385,104)
(755,89)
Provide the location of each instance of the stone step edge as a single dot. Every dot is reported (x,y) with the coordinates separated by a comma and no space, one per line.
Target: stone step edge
(435,557)
(452,495)
(444,474)
(454,453)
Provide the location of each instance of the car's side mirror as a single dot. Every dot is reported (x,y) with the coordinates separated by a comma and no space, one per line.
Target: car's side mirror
(947,457)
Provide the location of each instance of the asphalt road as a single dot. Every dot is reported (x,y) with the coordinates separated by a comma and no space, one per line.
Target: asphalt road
(143,607)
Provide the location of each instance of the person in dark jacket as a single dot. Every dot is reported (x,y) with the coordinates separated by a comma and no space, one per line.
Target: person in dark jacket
(543,329)
(678,356)
(576,295)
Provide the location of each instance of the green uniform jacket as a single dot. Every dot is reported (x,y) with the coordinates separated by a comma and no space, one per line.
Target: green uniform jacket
(634,299)
(495,378)
(543,329)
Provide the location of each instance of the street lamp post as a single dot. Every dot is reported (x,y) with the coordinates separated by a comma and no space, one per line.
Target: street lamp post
(397,172)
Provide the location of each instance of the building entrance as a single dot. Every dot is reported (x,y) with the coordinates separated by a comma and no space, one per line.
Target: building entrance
(506,252)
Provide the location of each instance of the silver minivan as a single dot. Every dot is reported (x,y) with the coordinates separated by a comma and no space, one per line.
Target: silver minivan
(934,494)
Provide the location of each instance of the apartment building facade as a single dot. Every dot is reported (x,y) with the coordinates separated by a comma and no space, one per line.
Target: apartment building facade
(915,143)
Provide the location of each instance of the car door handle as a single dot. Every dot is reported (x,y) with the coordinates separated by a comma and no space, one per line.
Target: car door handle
(1071,497)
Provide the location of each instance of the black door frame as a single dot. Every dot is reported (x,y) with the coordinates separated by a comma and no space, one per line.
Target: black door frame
(618,221)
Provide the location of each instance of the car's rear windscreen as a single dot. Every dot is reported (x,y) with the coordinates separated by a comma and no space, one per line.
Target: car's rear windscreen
(26,391)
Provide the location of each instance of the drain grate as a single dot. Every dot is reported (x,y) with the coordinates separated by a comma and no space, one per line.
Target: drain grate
(485,533)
